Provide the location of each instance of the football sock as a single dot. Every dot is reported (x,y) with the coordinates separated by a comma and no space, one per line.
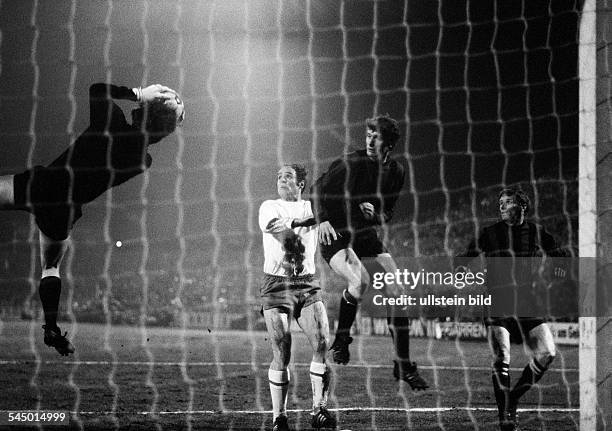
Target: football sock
(279,387)
(532,373)
(348,311)
(399,326)
(49,290)
(319,378)
(501,385)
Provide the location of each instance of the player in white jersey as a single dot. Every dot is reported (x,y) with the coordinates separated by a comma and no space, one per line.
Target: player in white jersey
(290,290)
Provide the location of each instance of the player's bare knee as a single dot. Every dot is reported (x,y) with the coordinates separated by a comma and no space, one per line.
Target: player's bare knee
(352,295)
(500,357)
(546,356)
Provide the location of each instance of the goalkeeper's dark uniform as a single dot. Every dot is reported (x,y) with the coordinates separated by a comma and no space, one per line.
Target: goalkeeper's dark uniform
(108,153)
(336,196)
(513,258)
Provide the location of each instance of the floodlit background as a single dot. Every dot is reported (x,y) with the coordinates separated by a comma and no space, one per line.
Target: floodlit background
(486,93)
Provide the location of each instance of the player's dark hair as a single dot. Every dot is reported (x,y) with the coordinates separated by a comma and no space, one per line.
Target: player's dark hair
(387,127)
(160,118)
(300,173)
(521,197)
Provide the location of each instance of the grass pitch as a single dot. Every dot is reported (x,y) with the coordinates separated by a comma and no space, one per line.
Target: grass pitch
(161,378)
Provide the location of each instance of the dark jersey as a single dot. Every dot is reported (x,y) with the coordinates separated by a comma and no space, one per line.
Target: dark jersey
(502,240)
(514,265)
(352,180)
(109,152)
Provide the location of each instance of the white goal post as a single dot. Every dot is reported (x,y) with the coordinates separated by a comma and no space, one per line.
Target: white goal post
(594,230)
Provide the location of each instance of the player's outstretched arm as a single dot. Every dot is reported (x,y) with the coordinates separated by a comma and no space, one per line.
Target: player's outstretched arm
(303,222)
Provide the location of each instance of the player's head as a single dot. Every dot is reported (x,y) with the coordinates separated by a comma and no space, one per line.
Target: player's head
(381,136)
(160,117)
(514,205)
(291,181)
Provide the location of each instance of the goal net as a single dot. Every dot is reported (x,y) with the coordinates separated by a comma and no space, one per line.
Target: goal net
(486,95)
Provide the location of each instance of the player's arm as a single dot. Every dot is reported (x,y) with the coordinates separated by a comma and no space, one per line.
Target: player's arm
(327,190)
(325,193)
(385,213)
(102,94)
(462,260)
(281,224)
(303,222)
(551,248)
(271,222)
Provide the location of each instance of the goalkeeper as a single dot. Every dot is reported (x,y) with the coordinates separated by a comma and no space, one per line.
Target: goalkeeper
(357,193)
(107,154)
(508,245)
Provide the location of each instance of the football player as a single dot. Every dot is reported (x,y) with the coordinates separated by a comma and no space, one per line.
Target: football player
(108,153)
(290,290)
(356,194)
(508,244)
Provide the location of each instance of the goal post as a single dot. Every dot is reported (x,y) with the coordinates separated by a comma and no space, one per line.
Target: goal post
(595,219)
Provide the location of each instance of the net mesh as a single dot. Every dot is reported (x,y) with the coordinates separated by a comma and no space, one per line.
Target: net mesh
(486,95)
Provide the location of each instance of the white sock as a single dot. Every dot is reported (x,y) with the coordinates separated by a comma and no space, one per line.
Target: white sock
(279,387)
(319,377)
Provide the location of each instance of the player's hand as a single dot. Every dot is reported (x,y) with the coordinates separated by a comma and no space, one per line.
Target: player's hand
(327,233)
(155,91)
(559,272)
(367,209)
(279,224)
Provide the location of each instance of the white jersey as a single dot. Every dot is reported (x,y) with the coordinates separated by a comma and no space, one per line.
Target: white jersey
(288,252)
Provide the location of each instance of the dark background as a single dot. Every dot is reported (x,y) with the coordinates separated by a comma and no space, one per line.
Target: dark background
(486,93)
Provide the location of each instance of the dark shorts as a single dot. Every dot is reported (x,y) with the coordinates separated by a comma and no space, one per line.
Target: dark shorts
(45,193)
(290,294)
(518,327)
(364,242)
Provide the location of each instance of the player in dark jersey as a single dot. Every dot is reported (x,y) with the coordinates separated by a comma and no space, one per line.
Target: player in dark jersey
(108,153)
(357,194)
(510,245)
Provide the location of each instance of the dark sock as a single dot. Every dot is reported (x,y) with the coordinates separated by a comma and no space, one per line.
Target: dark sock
(49,290)
(529,378)
(348,311)
(399,327)
(501,386)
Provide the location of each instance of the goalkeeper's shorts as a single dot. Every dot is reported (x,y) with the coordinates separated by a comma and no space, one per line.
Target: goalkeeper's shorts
(289,294)
(44,192)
